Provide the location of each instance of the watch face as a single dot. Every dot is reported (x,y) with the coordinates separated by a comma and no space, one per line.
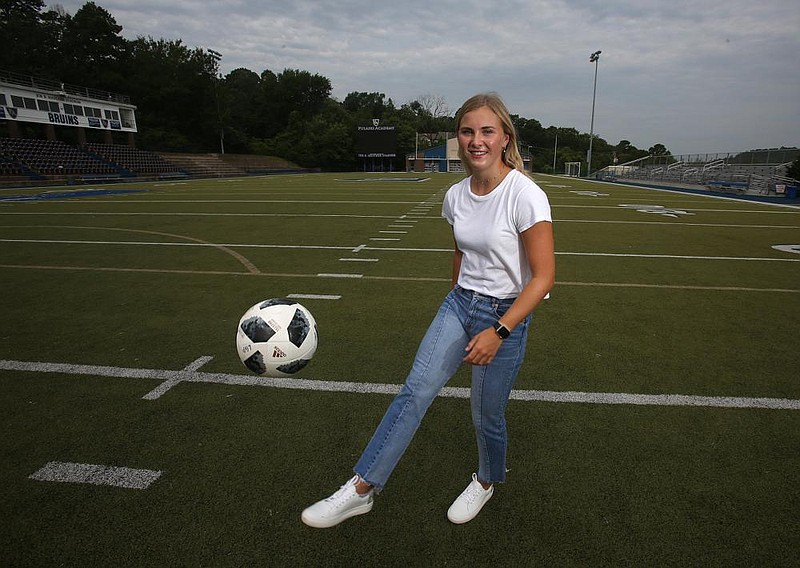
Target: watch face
(501,330)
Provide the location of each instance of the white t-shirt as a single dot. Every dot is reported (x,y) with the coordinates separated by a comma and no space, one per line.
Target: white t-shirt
(487,230)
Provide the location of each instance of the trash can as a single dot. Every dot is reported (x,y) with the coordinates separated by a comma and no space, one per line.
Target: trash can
(791,192)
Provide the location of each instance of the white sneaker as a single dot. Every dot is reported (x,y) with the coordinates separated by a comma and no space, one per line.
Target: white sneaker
(470,502)
(343,504)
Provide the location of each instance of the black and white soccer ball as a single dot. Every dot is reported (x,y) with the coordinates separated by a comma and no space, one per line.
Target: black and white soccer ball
(276,337)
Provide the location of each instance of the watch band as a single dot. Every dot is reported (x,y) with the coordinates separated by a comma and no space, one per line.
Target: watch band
(501,330)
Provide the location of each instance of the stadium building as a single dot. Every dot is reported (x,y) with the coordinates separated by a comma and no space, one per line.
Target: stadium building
(52,105)
(444,158)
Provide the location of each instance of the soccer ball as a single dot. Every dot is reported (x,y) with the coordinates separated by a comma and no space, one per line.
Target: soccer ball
(276,337)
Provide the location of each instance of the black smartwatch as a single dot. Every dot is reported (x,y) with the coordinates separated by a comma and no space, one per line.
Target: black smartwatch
(501,330)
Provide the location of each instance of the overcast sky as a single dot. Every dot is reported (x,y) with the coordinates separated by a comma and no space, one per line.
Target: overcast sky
(696,76)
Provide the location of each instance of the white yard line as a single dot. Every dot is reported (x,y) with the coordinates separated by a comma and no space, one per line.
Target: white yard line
(390,278)
(176,378)
(191,374)
(392,249)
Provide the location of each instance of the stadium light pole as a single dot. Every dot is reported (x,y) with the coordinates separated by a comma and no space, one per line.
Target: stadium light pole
(555,153)
(217,56)
(593,58)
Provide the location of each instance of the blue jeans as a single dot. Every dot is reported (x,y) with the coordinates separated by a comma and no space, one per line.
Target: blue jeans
(462,315)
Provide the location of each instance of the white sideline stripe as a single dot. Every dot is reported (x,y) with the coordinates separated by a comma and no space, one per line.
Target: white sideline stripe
(315,296)
(359,259)
(125,477)
(384,388)
(393,232)
(393,249)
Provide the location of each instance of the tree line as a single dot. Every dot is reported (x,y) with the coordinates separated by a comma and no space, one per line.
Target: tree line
(184,104)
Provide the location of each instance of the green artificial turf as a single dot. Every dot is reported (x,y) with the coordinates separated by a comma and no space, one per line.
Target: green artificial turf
(696,304)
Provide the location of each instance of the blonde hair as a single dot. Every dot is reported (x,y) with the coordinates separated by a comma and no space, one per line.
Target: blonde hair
(511,155)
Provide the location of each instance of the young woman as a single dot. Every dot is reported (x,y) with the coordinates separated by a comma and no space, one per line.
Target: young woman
(503,266)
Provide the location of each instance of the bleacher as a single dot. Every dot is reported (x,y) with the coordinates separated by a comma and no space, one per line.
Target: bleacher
(204,165)
(51,158)
(9,167)
(26,161)
(138,162)
(229,165)
(751,172)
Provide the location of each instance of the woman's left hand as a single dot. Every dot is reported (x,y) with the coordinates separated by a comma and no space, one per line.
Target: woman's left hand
(483,347)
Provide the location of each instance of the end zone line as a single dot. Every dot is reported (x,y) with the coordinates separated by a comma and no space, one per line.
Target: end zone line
(190,375)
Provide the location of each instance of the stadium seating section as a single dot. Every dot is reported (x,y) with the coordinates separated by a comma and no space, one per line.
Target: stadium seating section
(138,162)
(28,160)
(42,158)
(712,173)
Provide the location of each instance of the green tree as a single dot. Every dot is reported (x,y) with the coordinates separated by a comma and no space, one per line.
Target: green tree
(173,86)
(324,140)
(242,103)
(366,105)
(29,38)
(303,92)
(659,150)
(93,48)
(288,92)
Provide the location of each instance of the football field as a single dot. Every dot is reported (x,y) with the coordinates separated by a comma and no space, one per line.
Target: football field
(655,421)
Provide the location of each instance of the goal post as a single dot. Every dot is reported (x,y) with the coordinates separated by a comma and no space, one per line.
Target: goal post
(572,169)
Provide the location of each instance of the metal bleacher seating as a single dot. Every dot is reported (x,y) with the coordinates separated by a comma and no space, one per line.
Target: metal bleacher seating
(24,160)
(753,172)
(137,162)
(51,158)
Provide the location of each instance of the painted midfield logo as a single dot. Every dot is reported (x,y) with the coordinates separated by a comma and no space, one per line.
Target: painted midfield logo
(788,248)
(656,210)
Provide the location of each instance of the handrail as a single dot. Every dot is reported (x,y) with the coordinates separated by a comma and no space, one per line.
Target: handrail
(61,88)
